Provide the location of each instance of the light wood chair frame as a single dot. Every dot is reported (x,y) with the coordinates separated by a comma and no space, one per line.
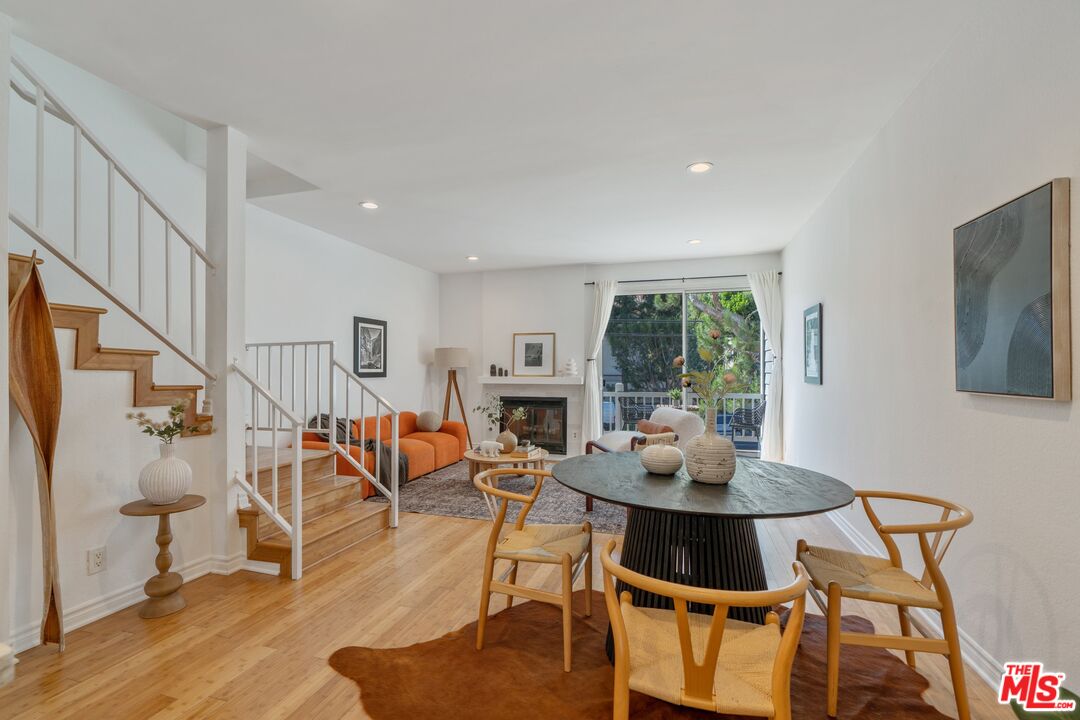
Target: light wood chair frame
(507,583)
(934,540)
(698,678)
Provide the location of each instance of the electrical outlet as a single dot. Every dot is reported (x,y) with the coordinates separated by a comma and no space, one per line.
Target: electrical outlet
(573,435)
(95,560)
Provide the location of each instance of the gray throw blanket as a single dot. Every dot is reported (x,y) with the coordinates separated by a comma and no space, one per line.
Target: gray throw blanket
(386,461)
(344,429)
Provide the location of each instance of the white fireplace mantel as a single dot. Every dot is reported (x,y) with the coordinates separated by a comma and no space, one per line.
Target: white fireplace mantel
(511,380)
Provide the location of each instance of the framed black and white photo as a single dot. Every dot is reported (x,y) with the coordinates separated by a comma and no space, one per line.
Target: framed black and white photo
(812,344)
(1011,297)
(534,354)
(369,347)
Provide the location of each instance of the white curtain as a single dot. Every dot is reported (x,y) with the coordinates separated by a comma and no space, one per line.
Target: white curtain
(766,289)
(592,425)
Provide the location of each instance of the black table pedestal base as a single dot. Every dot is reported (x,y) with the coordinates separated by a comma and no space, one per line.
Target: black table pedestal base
(699,550)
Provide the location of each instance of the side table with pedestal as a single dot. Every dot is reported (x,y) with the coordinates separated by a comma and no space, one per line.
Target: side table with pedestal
(163,590)
(478,463)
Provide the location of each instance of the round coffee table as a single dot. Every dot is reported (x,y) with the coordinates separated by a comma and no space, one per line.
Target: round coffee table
(479,463)
(697,534)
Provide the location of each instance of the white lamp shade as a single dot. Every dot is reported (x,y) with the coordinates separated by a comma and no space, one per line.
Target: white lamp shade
(452,357)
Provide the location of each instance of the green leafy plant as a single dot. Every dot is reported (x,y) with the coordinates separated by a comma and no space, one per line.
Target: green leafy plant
(165,431)
(675,394)
(712,383)
(493,412)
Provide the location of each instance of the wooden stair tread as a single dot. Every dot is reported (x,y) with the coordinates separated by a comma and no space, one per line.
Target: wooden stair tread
(265,456)
(88,309)
(24,258)
(311,489)
(333,522)
(91,355)
(126,351)
(319,486)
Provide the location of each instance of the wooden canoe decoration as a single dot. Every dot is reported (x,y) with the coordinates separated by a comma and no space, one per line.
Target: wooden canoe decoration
(34,375)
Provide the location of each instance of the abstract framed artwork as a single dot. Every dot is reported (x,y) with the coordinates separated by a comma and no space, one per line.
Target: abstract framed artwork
(534,355)
(812,344)
(369,347)
(1011,298)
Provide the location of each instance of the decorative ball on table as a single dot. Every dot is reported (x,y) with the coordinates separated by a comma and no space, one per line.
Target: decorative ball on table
(429,421)
(662,459)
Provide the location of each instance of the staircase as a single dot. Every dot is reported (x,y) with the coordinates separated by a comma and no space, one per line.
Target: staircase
(301,512)
(334,518)
(91,355)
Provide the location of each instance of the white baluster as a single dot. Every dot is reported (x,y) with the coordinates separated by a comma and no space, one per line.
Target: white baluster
(276,420)
(168,278)
(141,255)
(112,224)
(40,157)
(191,278)
(77,191)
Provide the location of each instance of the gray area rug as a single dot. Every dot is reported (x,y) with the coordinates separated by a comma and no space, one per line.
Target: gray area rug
(450,492)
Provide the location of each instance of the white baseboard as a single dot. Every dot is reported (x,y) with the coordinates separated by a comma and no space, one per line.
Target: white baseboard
(30,635)
(985,665)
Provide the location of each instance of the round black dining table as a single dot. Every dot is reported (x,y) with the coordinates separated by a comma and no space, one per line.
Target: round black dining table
(697,534)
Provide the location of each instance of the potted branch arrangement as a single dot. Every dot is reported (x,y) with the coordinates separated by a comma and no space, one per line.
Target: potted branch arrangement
(167,479)
(710,458)
(493,412)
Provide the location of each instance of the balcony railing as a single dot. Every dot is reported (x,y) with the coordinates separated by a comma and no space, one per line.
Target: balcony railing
(622,410)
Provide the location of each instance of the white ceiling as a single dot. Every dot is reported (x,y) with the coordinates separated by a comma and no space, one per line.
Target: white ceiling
(528,133)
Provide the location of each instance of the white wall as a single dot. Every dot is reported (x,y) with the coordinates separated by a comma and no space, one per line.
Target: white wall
(997,116)
(304,284)
(100,452)
(482,310)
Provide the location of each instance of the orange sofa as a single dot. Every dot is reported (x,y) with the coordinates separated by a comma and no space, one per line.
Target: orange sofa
(427,451)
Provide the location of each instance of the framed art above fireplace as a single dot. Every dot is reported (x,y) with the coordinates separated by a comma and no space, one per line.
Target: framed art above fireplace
(534,355)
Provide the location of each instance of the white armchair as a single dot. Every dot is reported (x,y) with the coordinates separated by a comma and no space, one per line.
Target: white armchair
(666,425)
(664,419)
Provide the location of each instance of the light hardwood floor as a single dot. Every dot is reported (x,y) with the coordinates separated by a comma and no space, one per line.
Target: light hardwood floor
(255,646)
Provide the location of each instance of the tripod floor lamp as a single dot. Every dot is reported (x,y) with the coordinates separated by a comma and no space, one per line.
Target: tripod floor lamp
(453,358)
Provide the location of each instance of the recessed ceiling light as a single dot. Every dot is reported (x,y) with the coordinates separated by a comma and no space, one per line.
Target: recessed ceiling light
(695,241)
(699,167)
(472,258)
(369,205)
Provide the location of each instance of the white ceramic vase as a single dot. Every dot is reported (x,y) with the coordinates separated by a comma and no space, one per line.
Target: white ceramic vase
(710,458)
(508,439)
(662,459)
(166,479)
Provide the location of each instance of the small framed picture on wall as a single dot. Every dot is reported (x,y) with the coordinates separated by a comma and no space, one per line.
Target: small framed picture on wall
(812,344)
(369,347)
(534,354)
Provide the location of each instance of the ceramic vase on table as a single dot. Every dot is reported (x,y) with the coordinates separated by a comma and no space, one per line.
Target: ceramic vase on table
(508,440)
(710,458)
(166,479)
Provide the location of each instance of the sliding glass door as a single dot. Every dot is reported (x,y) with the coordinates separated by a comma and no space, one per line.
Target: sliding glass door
(648,330)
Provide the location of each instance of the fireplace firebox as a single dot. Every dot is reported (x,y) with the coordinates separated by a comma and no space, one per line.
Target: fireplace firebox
(544,424)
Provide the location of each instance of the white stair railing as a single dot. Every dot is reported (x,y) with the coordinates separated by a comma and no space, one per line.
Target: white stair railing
(278,420)
(45,101)
(313,384)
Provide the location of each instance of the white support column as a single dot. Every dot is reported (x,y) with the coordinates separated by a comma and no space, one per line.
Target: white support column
(226,197)
(7,530)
